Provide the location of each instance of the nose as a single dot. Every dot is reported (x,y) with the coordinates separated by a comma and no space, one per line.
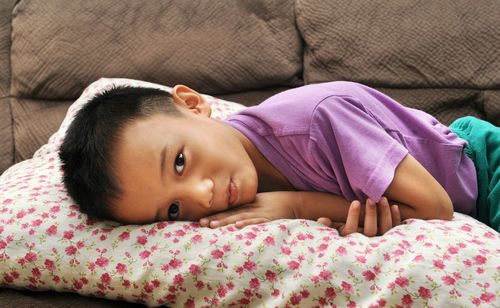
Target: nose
(200,192)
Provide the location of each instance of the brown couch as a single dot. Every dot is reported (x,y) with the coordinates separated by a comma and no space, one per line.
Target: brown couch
(439,56)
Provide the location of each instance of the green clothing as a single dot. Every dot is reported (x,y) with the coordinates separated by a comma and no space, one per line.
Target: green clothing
(484,149)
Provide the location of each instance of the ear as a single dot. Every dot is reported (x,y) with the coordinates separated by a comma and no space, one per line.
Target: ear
(188,98)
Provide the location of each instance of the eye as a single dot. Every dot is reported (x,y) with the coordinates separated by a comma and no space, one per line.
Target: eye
(179,163)
(173,212)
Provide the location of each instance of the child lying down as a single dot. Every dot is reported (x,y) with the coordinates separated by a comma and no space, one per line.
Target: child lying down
(339,152)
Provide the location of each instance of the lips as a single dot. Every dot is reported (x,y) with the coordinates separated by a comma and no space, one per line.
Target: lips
(232,192)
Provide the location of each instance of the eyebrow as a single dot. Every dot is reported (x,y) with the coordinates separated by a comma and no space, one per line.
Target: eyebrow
(162,162)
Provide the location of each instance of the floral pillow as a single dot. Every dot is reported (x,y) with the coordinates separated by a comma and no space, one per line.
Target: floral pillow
(47,244)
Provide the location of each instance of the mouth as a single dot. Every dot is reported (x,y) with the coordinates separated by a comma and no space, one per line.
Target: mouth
(232,193)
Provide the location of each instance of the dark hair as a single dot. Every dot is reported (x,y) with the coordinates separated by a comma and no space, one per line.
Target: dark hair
(87,149)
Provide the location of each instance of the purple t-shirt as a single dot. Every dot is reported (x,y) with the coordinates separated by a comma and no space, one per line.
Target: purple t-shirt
(347,139)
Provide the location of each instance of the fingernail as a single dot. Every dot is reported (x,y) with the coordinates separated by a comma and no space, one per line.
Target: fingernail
(203,221)
(214,223)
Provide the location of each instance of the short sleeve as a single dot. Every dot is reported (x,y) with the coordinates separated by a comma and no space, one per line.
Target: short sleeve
(362,151)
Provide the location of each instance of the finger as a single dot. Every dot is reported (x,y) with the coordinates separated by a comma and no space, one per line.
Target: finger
(206,221)
(384,214)
(370,225)
(227,220)
(352,221)
(251,221)
(396,215)
(325,221)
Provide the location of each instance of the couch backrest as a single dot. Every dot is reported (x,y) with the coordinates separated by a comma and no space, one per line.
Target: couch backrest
(61,46)
(404,44)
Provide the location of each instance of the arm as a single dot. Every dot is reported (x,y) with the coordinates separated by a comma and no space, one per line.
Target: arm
(418,193)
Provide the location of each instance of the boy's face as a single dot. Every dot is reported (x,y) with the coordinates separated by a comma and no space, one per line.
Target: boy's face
(181,167)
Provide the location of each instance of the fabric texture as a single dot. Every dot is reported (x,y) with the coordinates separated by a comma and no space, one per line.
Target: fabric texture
(59,47)
(484,148)
(348,139)
(179,264)
(403,44)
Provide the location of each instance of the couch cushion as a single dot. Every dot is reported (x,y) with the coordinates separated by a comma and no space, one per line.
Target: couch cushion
(59,46)
(34,122)
(412,43)
(444,104)
(5,30)
(6,136)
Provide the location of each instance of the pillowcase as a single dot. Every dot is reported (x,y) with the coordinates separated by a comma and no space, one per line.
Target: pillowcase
(47,244)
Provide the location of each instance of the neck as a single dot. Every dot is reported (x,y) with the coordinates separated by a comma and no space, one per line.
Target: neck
(270,178)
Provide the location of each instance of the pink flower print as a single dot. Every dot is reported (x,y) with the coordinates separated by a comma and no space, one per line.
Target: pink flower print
(322,247)
(102,262)
(466,228)
(145,254)
(342,251)
(295,299)
(250,235)
(270,276)
(381,302)
(197,239)
(77,284)
(254,283)
(142,239)
(30,257)
(275,293)
(105,279)
(199,285)
(479,270)
(21,214)
(330,293)
(125,235)
(80,244)
(453,250)
(488,297)
(230,285)
(293,265)
(148,288)
(194,269)
(479,260)
(419,258)
(7,202)
(3,244)
(439,264)
(347,287)
(36,273)
(407,300)
(49,264)
(269,241)
(189,303)
(304,293)
(424,293)
(178,279)
(249,266)
(286,251)
(179,233)
(52,230)
(121,268)
(476,301)
(387,256)
(36,222)
(361,259)
(70,250)
(222,291)
(325,275)
(448,280)
(217,254)
(301,236)
(175,263)
(226,248)
(402,282)
(369,275)
(68,235)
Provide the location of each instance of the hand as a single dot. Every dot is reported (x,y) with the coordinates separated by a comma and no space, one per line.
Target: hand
(378,218)
(266,207)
